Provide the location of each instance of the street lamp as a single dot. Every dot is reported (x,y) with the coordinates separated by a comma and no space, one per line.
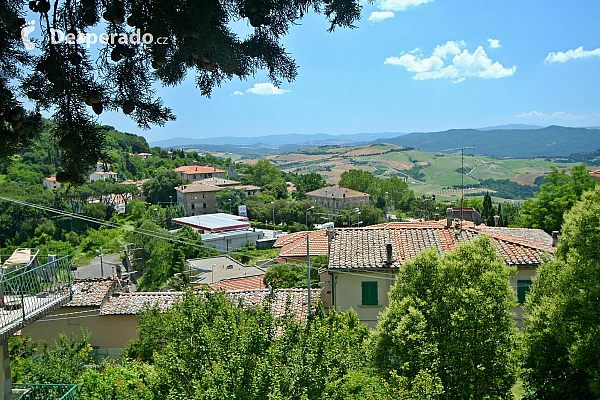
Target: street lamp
(273,204)
(307,210)
(171,200)
(229,205)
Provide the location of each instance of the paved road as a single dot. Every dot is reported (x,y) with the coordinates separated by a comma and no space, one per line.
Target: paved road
(94,269)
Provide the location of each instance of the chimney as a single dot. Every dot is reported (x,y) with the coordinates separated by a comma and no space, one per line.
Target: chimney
(330,236)
(388,248)
(555,238)
(448,217)
(436,217)
(496,220)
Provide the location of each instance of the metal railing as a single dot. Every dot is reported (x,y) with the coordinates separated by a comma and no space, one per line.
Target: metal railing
(30,292)
(26,391)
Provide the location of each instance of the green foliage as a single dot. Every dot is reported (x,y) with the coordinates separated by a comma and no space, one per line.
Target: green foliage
(277,190)
(131,381)
(216,350)
(282,276)
(136,209)
(228,200)
(556,196)
(449,317)
(97,211)
(369,215)
(161,187)
(563,309)
(263,173)
(287,211)
(57,365)
(392,193)
(507,189)
(488,209)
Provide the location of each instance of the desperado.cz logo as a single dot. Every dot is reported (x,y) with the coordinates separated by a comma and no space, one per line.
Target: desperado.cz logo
(57,36)
(25,32)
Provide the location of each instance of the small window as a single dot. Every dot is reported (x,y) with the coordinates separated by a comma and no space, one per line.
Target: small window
(369,294)
(193,206)
(203,205)
(203,196)
(230,266)
(522,289)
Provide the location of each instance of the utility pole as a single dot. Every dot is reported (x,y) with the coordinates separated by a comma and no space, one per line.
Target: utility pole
(101,262)
(462,179)
(308,271)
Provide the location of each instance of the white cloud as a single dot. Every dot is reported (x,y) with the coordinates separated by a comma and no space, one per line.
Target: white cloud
(494,43)
(451,47)
(556,115)
(462,66)
(400,5)
(571,55)
(266,89)
(238,93)
(378,16)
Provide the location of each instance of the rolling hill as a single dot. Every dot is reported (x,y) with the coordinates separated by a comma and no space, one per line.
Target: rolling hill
(551,141)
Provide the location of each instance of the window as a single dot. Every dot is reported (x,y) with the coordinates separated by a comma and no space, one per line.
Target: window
(203,196)
(193,206)
(203,205)
(369,294)
(522,289)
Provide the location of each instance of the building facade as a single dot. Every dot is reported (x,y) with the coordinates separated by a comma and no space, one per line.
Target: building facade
(337,198)
(194,173)
(364,262)
(50,183)
(198,198)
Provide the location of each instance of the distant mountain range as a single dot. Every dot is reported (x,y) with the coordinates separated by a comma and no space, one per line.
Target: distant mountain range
(515,143)
(513,140)
(270,141)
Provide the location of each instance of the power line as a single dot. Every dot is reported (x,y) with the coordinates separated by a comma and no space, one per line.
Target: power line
(172,239)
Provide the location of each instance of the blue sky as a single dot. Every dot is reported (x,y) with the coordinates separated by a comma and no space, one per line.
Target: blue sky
(345,84)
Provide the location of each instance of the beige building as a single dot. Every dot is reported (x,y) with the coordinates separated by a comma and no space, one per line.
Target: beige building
(337,198)
(198,198)
(209,270)
(102,176)
(50,183)
(111,317)
(364,262)
(194,173)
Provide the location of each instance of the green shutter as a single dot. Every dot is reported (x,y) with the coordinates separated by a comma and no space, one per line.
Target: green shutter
(369,294)
(522,289)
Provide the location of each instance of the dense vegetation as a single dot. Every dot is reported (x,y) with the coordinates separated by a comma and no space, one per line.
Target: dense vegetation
(507,189)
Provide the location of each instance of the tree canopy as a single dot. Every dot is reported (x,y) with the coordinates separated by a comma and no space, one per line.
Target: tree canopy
(563,309)
(449,316)
(174,38)
(556,196)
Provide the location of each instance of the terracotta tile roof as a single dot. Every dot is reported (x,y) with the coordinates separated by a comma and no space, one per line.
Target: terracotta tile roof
(134,303)
(200,169)
(336,192)
(294,244)
(595,175)
(366,248)
(296,299)
(247,187)
(103,173)
(196,187)
(418,224)
(239,283)
(51,179)
(90,292)
(528,235)
(218,181)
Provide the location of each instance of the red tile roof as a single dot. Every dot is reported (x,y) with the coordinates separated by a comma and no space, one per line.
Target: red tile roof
(200,169)
(366,248)
(52,178)
(595,175)
(294,244)
(90,292)
(278,300)
(239,283)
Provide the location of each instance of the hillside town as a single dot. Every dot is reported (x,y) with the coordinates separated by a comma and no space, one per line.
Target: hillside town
(299,200)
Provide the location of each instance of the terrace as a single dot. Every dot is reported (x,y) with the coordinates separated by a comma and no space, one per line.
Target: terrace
(31,286)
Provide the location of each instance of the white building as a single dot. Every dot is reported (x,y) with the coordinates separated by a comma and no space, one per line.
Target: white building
(50,183)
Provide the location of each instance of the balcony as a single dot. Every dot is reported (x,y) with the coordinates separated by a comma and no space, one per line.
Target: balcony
(22,391)
(31,286)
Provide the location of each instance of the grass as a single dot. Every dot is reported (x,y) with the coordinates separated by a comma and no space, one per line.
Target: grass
(518,391)
(254,255)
